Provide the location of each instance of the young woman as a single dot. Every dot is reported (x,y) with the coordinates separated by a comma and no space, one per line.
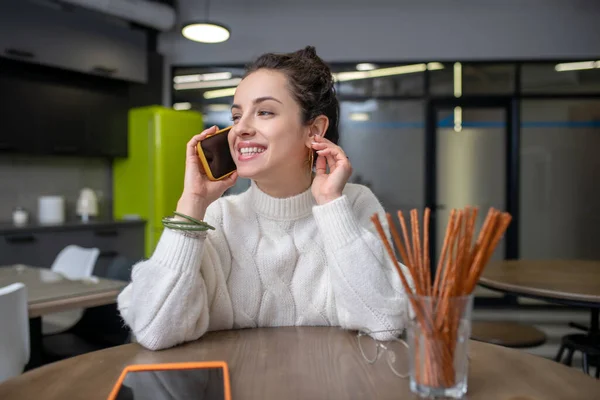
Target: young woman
(297,248)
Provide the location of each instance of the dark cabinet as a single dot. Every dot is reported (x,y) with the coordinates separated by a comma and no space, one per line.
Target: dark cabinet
(61,128)
(39,246)
(19,248)
(72,39)
(105,124)
(52,112)
(37,249)
(19,128)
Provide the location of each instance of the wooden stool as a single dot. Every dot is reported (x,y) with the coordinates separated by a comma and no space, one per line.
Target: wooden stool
(507,334)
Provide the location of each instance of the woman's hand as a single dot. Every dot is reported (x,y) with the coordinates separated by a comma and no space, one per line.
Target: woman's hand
(198,191)
(329,186)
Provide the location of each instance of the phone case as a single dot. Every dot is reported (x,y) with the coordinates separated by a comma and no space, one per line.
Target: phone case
(216,168)
(188,365)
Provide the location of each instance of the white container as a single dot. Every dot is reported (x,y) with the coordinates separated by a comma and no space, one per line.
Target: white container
(87,204)
(51,210)
(20,217)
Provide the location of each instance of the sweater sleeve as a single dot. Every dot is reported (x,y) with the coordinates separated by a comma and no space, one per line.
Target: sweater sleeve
(367,289)
(168,299)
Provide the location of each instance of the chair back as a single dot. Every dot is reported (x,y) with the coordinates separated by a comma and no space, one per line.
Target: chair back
(76,262)
(14,330)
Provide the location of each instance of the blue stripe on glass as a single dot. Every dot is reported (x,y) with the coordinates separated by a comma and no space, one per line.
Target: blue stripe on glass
(448,123)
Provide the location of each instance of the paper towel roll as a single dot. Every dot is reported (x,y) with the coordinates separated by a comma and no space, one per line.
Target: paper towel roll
(51,210)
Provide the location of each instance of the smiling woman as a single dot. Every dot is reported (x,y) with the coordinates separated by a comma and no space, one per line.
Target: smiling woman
(297,248)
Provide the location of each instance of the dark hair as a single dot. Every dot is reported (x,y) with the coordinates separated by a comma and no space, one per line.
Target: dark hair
(311,84)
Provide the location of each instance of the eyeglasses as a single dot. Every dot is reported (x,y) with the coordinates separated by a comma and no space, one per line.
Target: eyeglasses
(395,349)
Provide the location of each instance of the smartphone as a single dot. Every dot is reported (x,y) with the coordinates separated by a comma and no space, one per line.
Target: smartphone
(215,155)
(195,380)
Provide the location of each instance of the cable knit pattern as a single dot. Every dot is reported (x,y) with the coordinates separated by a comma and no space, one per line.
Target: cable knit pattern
(270,262)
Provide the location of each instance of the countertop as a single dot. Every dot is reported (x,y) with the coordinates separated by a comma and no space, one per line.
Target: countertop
(10,228)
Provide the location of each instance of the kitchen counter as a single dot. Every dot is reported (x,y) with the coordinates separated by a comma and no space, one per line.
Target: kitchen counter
(10,228)
(38,245)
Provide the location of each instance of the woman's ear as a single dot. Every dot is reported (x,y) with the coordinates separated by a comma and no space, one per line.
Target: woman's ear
(318,127)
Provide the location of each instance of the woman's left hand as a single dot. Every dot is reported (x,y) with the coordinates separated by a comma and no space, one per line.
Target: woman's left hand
(329,186)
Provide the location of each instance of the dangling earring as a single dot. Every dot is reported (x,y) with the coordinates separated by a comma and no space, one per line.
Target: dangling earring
(311,161)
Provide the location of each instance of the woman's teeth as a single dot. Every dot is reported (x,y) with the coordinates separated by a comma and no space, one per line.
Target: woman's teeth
(251,150)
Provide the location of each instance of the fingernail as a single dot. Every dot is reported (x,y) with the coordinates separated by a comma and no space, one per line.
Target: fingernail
(315,143)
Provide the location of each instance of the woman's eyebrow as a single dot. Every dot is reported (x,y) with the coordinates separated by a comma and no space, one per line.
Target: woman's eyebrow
(257,101)
(265,98)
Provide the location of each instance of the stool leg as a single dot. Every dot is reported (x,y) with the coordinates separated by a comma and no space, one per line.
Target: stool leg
(584,362)
(569,359)
(559,355)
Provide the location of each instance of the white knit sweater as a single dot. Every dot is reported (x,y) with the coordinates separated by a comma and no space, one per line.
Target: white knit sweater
(270,262)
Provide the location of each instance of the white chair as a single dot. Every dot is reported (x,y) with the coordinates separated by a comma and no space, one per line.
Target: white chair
(73,262)
(14,330)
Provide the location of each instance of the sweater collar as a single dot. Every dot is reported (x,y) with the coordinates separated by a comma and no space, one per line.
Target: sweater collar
(294,207)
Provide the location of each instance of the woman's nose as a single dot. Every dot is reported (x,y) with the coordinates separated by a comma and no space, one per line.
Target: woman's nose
(244,128)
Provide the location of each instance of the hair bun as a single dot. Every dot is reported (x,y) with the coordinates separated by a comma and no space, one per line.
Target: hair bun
(308,55)
(308,51)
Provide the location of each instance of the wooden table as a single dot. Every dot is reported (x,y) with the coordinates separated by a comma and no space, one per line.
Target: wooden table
(49,292)
(566,281)
(569,282)
(303,363)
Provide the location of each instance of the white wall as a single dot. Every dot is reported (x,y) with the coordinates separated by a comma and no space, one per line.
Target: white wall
(380,30)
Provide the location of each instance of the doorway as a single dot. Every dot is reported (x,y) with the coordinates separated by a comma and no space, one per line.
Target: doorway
(471,159)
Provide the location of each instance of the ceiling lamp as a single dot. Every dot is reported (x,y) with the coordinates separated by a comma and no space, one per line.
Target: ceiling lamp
(206,31)
(365,67)
(575,66)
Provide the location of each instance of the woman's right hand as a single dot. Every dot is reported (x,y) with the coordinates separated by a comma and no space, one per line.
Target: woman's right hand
(198,191)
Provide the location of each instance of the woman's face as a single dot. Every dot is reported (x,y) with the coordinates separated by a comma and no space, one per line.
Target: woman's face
(268,138)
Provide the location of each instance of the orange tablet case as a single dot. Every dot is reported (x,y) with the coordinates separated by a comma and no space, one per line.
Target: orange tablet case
(224,167)
(169,366)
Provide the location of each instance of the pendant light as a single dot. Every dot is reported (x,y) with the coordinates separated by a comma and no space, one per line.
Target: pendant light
(205,31)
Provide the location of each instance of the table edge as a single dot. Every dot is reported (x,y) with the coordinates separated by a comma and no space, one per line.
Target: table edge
(593,301)
(66,303)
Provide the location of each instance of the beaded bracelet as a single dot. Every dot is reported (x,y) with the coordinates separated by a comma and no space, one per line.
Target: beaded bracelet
(191,224)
